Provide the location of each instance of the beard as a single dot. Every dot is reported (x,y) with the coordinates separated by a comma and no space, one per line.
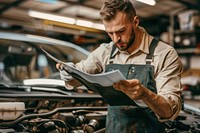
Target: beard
(126,44)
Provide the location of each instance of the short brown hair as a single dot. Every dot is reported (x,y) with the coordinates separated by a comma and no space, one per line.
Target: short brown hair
(111,7)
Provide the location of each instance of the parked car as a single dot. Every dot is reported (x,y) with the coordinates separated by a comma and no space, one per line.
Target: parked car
(32,96)
(22,58)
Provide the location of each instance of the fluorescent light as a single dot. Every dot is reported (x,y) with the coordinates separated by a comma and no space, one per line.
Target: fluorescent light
(67,20)
(149,2)
(84,23)
(99,26)
(52,17)
(90,24)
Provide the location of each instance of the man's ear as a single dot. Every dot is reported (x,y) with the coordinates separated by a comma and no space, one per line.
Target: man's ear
(136,21)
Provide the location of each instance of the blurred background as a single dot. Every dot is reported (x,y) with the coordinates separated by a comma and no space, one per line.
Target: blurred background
(78,21)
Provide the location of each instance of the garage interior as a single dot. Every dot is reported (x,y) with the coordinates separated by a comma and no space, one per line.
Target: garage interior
(25,16)
(176,22)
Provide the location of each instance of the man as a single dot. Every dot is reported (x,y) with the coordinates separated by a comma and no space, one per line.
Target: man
(153,74)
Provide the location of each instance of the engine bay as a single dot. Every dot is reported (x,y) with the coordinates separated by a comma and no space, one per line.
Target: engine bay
(83,112)
(51,112)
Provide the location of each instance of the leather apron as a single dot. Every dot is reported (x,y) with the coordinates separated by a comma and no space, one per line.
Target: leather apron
(134,118)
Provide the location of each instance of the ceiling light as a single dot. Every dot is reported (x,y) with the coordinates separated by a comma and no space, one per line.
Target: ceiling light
(66,20)
(99,26)
(52,17)
(90,24)
(84,23)
(148,2)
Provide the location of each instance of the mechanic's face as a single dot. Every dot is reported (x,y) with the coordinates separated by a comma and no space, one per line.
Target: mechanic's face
(121,31)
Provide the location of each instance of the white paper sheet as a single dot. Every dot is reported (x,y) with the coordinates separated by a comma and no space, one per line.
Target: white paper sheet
(104,79)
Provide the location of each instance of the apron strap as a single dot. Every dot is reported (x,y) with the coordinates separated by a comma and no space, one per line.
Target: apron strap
(152,47)
(112,56)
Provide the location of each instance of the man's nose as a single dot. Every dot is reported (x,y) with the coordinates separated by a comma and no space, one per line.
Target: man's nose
(116,38)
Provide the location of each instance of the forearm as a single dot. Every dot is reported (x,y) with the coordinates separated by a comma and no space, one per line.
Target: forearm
(158,104)
(165,109)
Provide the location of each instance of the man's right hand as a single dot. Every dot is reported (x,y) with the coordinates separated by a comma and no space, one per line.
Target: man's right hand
(63,74)
(70,82)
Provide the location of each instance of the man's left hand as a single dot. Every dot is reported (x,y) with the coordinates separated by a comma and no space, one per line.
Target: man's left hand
(133,88)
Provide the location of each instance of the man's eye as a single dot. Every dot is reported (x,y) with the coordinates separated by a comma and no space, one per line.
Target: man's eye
(110,34)
(121,31)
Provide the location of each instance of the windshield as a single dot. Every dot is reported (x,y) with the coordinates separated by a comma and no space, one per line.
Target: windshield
(21,57)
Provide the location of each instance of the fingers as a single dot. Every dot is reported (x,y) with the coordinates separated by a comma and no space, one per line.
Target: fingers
(71,64)
(64,75)
(58,66)
(68,86)
(119,85)
(125,84)
(132,88)
(132,82)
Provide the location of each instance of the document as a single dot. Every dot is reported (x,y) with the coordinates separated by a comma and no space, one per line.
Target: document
(103,79)
(101,84)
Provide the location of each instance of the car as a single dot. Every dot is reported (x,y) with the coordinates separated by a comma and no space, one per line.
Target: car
(23,51)
(33,98)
